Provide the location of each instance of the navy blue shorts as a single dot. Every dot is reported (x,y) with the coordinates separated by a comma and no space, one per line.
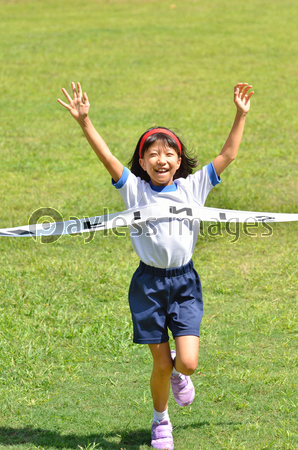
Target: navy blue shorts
(165,298)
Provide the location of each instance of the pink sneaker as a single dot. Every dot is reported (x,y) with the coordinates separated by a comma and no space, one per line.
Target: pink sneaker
(182,387)
(161,435)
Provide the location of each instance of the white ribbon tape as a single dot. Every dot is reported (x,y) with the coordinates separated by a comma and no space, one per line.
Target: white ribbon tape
(143,215)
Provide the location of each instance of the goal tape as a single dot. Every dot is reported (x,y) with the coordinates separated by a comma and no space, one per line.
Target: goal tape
(142,215)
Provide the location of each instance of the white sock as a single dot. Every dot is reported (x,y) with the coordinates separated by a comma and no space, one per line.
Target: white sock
(161,415)
(175,373)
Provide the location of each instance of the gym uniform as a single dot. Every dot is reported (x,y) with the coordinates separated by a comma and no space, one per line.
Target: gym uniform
(165,291)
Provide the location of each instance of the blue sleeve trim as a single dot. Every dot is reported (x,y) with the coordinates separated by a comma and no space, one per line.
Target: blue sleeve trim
(213,177)
(122,180)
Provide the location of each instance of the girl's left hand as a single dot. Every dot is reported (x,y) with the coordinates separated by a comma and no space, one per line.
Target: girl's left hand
(242,97)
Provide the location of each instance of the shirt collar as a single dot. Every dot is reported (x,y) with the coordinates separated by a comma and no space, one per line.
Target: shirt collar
(170,188)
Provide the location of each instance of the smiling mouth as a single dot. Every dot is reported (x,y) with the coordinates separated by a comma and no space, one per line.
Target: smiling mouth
(161,170)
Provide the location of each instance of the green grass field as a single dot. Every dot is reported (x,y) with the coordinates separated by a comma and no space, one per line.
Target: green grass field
(70,376)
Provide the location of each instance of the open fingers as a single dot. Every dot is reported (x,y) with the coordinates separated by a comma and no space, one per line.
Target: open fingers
(241,91)
(85,97)
(78,105)
(74,90)
(242,88)
(68,97)
(76,95)
(245,96)
(63,104)
(66,94)
(250,94)
(79,90)
(239,87)
(246,89)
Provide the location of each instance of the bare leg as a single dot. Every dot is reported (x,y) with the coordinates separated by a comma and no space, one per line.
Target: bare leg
(161,374)
(187,354)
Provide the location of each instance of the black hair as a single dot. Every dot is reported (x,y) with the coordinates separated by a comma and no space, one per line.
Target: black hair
(188,162)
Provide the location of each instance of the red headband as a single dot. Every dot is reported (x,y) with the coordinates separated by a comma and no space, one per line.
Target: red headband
(155,131)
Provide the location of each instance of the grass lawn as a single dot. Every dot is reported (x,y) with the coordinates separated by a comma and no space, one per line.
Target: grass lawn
(70,376)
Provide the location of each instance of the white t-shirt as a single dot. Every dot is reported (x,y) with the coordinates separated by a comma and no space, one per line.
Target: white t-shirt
(166,243)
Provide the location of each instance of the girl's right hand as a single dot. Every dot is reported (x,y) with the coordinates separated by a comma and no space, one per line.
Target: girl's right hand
(79,105)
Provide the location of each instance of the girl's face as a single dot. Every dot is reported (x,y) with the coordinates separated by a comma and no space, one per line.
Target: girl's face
(161,163)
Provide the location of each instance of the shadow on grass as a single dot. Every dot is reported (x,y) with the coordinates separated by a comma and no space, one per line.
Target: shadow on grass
(127,439)
(47,438)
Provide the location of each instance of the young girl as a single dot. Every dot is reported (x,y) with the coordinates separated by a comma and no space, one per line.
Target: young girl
(165,291)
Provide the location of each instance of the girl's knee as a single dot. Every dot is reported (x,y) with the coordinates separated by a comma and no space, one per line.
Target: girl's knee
(187,354)
(186,366)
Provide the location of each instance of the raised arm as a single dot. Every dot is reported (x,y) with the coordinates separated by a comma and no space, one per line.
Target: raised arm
(230,149)
(78,106)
